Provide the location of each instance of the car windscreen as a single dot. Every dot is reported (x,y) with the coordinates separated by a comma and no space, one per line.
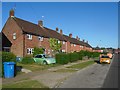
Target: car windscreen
(38,56)
(105,57)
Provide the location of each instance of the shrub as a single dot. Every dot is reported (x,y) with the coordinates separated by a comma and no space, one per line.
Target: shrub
(27,60)
(74,57)
(80,55)
(62,58)
(8,57)
(89,54)
(95,54)
(38,51)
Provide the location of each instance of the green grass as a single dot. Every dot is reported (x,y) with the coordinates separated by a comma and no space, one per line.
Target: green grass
(36,67)
(82,65)
(25,84)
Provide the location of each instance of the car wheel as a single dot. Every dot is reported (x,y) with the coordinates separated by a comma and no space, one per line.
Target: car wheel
(44,62)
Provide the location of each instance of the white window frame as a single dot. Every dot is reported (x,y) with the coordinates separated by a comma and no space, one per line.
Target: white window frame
(40,38)
(30,50)
(29,36)
(63,42)
(58,41)
(63,50)
(74,45)
(81,46)
(14,36)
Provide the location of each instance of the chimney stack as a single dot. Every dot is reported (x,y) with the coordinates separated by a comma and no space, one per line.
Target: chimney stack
(40,23)
(61,31)
(86,41)
(83,40)
(77,38)
(56,29)
(11,13)
(70,35)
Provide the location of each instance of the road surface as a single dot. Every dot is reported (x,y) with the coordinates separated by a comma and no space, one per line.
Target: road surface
(94,76)
(111,80)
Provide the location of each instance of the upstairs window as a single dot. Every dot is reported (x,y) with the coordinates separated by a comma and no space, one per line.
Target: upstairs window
(74,45)
(40,38)
(81,46)
(71,44)
(29,36)
(14,36)
(63,42)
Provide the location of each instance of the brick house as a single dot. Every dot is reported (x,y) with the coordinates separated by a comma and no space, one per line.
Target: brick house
(23,36)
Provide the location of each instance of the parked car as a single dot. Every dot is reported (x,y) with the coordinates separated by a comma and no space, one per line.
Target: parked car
(105,59)
(43,59)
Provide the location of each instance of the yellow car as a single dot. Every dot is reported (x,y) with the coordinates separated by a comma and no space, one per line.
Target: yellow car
(105,59)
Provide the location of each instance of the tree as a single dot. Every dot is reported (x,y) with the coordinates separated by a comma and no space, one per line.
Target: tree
(55,45)
(38,51)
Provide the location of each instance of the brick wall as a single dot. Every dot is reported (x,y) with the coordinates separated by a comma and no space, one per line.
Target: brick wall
(21,43)
(17,44)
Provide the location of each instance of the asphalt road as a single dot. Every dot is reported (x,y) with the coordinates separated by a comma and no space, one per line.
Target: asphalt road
(94,76)
(111,80)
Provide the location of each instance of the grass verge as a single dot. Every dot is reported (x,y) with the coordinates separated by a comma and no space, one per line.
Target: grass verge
(82,65)
(36,67)
(25,84)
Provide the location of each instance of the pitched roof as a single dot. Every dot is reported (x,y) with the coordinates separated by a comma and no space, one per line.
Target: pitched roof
(35,29)
(87,45)
(96,48)
(55,34)
(31,28)
(73,40)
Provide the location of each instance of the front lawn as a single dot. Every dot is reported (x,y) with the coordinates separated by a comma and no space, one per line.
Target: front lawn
(25,84)
(82,65)
(36,67)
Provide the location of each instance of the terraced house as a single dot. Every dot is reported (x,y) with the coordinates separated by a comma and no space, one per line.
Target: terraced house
(21,36)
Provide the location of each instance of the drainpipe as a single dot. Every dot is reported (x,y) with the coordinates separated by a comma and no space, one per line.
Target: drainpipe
(23,44)
(66,47)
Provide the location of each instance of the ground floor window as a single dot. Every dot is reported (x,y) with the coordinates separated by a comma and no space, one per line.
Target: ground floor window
(30,50)
(6,49)
(63,50)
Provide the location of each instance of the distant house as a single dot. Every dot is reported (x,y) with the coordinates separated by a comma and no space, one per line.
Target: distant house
(22,36)
(97,49)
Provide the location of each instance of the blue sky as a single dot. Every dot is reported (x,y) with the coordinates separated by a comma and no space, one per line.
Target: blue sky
(96,22)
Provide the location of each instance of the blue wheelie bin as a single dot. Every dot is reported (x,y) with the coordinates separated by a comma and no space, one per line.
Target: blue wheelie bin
(9,69)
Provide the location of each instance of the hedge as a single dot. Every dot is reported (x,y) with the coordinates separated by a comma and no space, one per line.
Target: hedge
(64,58)
(8,57)
(27,60)
(74,56)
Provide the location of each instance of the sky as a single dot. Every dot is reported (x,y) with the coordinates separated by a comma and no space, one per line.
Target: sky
(95,22)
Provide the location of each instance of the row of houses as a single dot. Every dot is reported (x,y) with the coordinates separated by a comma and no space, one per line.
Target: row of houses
(20,37)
